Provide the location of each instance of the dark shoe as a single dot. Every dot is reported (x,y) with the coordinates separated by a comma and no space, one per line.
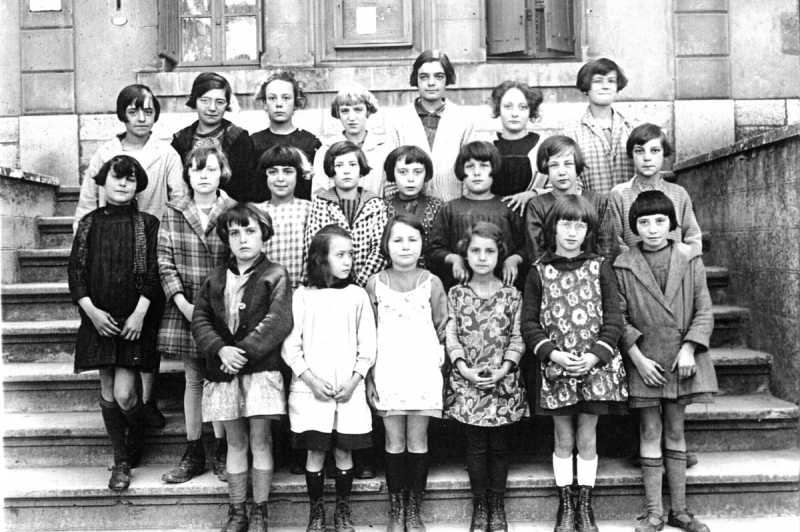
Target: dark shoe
(220,459)
(341,516)
(364,471)
(397,513)
(237,518)
(413,517)
(584,515)
(650,523)
(691,460)
(154,416)
(480,515)
(497,513)
(565,518)
(258,517)
(686,520)
(120,476)
(316,517)
(192,464)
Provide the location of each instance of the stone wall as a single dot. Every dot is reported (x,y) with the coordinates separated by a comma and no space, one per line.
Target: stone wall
(747,197)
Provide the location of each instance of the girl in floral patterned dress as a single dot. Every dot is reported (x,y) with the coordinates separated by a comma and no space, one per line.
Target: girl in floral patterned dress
(484,390)
(571,321)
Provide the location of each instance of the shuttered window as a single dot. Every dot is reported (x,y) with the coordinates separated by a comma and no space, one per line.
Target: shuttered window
(530,28)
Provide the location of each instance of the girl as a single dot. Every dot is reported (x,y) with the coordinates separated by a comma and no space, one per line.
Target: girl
(408,168)
(603,131)
(113,278)
(484,391)
(571,322)
(352,208)
(281,95)
(476,166)
(405,386)
(648,146)
(353,105)
(330,351)
(240,321)
(189,248)
(212,97)
(561,159)
(435,124)
(516,104)
(668,325)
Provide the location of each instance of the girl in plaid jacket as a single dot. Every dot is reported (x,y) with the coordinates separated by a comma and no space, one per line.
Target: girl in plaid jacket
(358,211)
(189,248)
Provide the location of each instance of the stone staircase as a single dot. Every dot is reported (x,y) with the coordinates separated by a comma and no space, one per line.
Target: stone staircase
(56,450)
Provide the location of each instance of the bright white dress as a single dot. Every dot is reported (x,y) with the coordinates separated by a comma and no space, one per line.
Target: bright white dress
(407,372)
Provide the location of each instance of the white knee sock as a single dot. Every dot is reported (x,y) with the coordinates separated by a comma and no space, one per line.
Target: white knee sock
(587,471)
(562,469)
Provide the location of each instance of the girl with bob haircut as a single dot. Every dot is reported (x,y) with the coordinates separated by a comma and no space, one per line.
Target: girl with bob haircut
(212,97)
(352,106)
(433,123)
(330,351)
(668,326)
(188,249)
(113,279)
(516,104)
(602,132)
(281,95)
(242,317)
(484,390)
(405,386)
(578,373)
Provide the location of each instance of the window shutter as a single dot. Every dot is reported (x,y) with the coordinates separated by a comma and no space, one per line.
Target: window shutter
(559,27)
(168,31)
(505,26)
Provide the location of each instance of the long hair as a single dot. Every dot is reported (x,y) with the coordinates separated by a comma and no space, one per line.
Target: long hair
(319,269)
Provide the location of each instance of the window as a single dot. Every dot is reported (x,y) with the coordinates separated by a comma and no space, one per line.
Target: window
(210,32)
(530,28)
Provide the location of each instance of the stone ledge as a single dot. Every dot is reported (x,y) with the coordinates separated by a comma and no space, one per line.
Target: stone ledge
(16,173)
(770,137)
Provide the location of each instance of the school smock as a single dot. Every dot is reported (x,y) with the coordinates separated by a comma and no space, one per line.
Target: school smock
(287,245)
(659,322)
(334,335)
(456,128)
(518,169)
(164,177)
(375,147)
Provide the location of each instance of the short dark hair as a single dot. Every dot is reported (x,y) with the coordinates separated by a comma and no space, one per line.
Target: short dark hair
(353,94)
(431,56)
(136,95)
(340,148)
(319,269)
(532,96)
(643,134)
(209,81)
(399,218)
(572,208)
(241,214)
(300,98)
(409,155)
(603,67)
(283,156)
(558,145)
(480,151)
(199,155)
(652,202)
(123,166)
(484,230)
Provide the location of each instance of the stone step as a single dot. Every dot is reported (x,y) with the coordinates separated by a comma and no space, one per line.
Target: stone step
(741,370)
(717,281)
(55,231)
(37,302)
(730,484)
(729,326)
(43,265)
(733,423)
(67,200)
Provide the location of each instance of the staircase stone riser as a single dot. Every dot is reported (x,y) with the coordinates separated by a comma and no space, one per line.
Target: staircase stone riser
(38,310)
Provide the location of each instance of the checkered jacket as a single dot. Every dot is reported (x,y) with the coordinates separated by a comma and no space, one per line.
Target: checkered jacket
(366,231)
(186,254)
(605,166)
(287,246)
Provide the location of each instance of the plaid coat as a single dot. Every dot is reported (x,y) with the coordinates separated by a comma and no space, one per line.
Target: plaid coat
(366,231)
(186,254)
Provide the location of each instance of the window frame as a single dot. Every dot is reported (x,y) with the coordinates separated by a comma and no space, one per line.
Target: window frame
(529,52)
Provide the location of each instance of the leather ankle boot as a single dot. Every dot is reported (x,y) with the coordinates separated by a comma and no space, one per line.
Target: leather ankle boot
(192,464)
(258,517)
(584,518)
(120,476)
(316,517)
(341,516)
(480,516)
(497,513)
(565,518)
(237,518)
(413,517)
(221,459)
(397,513)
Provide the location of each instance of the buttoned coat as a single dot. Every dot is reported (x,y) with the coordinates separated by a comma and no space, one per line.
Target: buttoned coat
(186,255)
(660,322)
